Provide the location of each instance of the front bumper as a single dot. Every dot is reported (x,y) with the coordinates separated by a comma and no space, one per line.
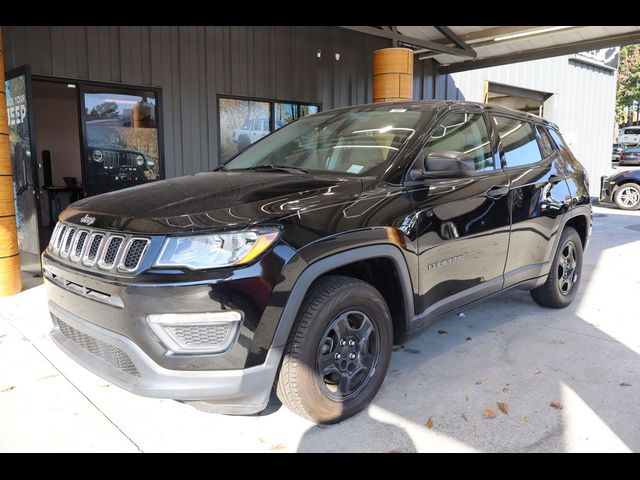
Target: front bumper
(120,361)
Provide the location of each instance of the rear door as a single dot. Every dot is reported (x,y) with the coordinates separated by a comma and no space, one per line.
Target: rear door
(462,223)
(539,196)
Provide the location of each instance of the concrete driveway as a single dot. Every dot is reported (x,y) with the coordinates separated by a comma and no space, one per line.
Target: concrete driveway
(506,375)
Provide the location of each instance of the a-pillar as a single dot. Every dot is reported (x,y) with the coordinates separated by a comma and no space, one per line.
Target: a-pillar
(392,75)
(10,282)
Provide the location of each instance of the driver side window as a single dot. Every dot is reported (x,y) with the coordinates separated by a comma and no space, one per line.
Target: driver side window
(463,132)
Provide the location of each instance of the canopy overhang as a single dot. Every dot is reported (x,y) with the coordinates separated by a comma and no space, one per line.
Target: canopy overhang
(459,48)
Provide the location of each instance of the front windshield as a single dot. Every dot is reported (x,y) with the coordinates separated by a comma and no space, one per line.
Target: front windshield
(350,142)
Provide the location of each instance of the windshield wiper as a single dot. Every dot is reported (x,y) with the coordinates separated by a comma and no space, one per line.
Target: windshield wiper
(272,167)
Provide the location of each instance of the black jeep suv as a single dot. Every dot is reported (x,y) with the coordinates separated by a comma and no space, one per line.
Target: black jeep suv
(305,257)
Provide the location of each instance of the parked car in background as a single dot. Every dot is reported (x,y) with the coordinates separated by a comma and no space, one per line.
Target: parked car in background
(623,189)
(630,156)
(618,148)
(252,130)
(629,136)
(302,260)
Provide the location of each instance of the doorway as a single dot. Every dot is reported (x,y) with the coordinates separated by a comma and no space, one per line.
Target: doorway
(70,139)
(517,98)
(57,135)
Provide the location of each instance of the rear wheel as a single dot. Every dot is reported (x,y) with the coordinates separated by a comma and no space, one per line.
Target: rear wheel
(627,197)
(338,351)
(562,283)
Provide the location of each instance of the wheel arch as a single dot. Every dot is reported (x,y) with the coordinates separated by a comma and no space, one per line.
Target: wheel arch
(349,261)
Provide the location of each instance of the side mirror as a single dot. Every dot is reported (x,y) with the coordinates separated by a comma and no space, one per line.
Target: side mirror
(446,164)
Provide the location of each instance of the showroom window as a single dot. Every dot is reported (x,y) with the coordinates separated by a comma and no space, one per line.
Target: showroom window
(243,121)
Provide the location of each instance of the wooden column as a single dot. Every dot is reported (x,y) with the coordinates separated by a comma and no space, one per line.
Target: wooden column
(10,282)
(392,75)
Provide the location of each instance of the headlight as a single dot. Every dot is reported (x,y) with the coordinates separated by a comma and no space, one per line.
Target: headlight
(140,160)
(199,252)
(97,156)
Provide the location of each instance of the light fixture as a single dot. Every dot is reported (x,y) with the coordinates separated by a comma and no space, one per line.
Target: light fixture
(528,33)
(71,85)
(319,54)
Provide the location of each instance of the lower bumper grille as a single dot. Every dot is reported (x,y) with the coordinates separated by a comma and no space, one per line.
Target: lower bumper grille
(106,352)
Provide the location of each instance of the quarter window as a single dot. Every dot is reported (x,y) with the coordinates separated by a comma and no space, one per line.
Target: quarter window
(463,132)
(545,142)
(519,142)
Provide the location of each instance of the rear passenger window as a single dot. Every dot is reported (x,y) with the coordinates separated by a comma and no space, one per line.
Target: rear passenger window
(545,142)
(463,132)
(518,141)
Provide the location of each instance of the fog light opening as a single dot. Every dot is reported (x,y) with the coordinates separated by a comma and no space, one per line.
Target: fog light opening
(211,332)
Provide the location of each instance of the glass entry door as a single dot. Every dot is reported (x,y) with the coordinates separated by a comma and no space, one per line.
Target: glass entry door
(121,141)
(23,158)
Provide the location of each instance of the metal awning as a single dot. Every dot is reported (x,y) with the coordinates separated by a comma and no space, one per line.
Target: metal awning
(469,47)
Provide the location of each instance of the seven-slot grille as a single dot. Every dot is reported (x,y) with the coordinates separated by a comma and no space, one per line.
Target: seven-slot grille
(91,248)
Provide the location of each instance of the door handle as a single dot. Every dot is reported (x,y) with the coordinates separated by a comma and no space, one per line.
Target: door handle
(497,192)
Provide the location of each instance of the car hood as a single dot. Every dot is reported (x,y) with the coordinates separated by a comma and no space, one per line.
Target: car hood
(211,201)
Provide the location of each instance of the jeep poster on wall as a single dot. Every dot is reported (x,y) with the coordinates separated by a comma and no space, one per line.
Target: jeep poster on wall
(121,139)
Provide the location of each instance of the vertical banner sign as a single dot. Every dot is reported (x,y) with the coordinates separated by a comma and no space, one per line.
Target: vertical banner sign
(20,145)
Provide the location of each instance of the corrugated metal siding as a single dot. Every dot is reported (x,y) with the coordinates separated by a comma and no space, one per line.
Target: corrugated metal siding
(582,104)
(194,64)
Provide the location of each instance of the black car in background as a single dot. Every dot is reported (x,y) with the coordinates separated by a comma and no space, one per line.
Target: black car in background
(305,257)
(624,189)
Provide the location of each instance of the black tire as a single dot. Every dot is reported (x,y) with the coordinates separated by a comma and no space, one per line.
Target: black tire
(314,340)
(627,196)
(563,281)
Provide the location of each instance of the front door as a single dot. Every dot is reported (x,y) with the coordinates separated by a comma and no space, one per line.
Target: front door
(463,223)
(23,158)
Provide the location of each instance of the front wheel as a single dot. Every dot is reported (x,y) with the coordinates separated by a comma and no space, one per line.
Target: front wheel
(338,351)
(627,197)
(561,285)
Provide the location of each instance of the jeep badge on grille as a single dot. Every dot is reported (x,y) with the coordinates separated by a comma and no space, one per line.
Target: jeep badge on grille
(88,220)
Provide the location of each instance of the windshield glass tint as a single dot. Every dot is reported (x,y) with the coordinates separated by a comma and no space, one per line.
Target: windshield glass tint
(352,142)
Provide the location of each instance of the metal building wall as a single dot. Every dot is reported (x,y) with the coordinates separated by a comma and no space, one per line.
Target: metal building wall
(194,64)
(582,104)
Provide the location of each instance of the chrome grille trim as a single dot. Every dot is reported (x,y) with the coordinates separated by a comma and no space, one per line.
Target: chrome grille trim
(68,241)
(79,245)
(95,248)
(60,237)
(95,242)
(138,256)
(54,236)
(104,263)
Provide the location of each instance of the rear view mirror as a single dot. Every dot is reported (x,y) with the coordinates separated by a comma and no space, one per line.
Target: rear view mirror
(446,164)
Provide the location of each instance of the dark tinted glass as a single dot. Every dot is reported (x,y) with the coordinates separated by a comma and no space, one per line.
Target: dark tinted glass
(518,141)
(545,142)
(463,132)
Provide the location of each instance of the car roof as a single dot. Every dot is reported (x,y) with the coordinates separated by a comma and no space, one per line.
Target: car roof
(443,104)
